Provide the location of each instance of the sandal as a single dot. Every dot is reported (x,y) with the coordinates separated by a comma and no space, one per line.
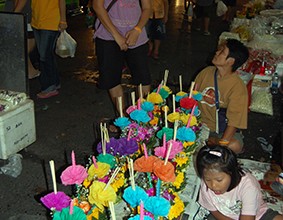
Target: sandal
(46,95)
(265,145)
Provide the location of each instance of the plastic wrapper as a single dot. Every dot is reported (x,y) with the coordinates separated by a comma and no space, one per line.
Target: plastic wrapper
(14,166)
(262,102)
(14,98)
(66,45)
(221,8)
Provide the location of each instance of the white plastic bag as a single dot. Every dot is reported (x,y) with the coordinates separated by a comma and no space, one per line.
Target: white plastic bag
(221,8)
(66,45)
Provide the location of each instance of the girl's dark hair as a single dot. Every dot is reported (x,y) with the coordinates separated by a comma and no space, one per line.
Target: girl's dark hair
(238,51)
(221,159)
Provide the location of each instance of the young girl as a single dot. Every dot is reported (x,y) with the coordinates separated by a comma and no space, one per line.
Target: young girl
(226,190)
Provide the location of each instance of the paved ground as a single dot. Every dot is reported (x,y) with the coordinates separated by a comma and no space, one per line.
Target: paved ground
(67,122)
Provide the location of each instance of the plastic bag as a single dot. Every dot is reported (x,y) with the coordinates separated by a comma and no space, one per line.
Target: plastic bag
(262,102)
(66,45)
(14,166)
(221,8)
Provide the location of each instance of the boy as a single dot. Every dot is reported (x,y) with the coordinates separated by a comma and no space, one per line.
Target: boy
(225,112)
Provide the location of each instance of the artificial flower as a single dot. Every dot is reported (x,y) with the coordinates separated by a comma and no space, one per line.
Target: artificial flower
(94,214)
(134,196)
(181,159)
(100,196)
(107,158)
(186,134)
(118,182)
(147,106)
(155,98)
(100,171)
(177,208)
(187,103)
(122,122)
(179,180)
(140,116)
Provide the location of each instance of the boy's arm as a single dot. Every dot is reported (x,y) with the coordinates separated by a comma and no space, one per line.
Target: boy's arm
(219,216)
(63,21)
(166,10)
(19,5)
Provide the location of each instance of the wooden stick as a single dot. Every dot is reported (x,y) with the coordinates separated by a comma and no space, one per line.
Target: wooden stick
(191,90)
(180,82)
(140,88)
(112,210)
(166,77)
(133,97)
(112,177)
(175,130)
(120,106)
(174,105)
(165,117)
(52,167)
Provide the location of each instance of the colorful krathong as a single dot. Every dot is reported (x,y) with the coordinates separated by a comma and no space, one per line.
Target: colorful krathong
(144,168)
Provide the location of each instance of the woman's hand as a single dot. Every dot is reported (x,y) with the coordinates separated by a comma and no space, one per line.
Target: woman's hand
(132,36)
(121,41)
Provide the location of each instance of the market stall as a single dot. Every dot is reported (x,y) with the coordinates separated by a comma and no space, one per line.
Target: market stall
(261,30)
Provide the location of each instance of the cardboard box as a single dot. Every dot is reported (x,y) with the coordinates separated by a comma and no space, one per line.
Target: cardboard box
(17,129)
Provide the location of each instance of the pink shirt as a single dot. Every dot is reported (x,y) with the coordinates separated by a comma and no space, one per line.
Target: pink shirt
(125,15)
(245,199)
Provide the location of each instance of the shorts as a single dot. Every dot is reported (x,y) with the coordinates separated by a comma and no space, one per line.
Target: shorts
(238,136)
(268,215)
(155,29)
(204,11)
(111,61)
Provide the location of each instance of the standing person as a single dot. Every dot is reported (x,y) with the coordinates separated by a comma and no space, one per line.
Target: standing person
(156,26)
(203,11)
(120,38)
(225,112)
(48,18)
(227,191)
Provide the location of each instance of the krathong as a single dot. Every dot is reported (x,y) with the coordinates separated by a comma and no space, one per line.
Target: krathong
(141,173)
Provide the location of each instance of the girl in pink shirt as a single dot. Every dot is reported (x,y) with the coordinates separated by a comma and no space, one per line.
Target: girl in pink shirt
(226,190)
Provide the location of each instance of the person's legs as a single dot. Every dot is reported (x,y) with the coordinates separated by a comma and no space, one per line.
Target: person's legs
(206,22)
(156,49)
(32,72)
(138,64)
(110,75)
(49,77)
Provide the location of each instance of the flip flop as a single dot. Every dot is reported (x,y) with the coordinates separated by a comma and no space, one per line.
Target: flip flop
(265,145)
(46,95)
(277,187)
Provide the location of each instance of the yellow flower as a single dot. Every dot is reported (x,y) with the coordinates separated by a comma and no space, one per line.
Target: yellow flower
(188,144)
(177,209)
(118,181)
(155,98)
(101,170)
(167,89)
(86,183)
(181,93)
(185,118)
(181,159)
(154,121)
(172,117)
(94,214)
(179,180)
